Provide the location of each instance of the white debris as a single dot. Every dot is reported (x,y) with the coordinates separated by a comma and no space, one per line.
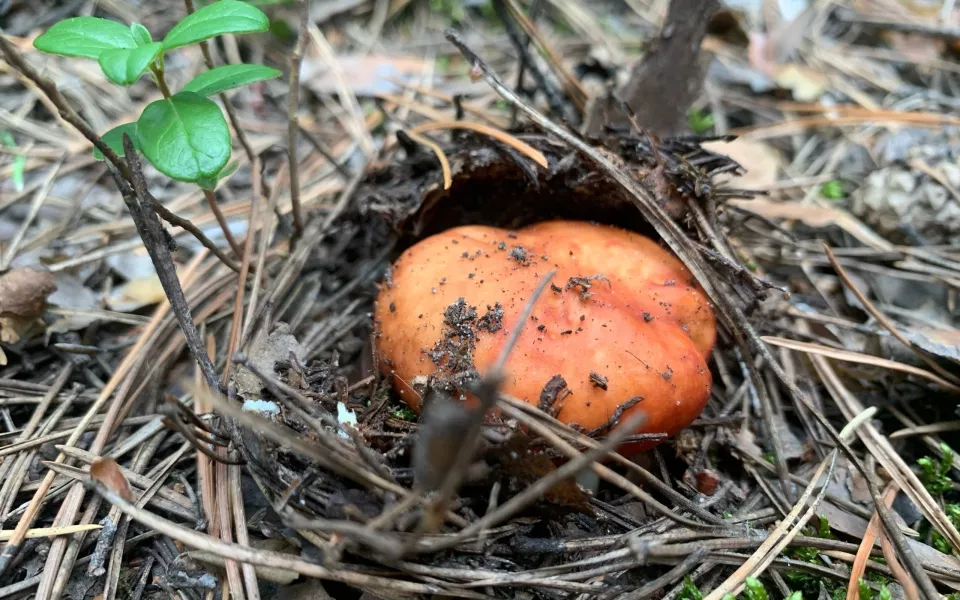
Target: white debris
(264,407)
(346,417)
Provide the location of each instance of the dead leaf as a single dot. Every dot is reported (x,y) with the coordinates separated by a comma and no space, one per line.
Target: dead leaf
(791,445)
(14,329)
(859,488)
(813,215)
(918,48)
(524,464)
(941,342)
(23,292)
(762,162)
(71,293)
(106,471)
(805,83)
(132,265)
(136,294)
(265,351)
(766,53)
(854,526)
(367,75)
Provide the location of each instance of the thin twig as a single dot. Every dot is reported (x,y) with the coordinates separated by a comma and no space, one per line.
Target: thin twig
(268,558)
(538,488)
(174,219)
(151,232)
(501,136)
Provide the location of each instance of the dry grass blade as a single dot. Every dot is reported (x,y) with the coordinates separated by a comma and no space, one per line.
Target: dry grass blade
(874,528)
(570,83)
(890,555)
(926,429)
(534,491)
(463,424)
(514,408)
(791,525)
(894,464)
(501,136)
(276,560)
(42,532)
(441,157)
(35,206)
(857,357)
(794,126)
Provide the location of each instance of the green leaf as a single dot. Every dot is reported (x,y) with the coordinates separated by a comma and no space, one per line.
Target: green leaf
(226,16)
(885,593)
(84,36)
(796,596)
(940,543)
(228,77)
(185,137)
(114,139)
(141,35)
(126,65)
(228,170)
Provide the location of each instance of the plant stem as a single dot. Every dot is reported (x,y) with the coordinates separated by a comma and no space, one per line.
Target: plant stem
(175,219)
(161,81)
(212,201)
(293,126)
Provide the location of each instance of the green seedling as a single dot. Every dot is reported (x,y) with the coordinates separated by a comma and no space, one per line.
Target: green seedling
(934,474)
(690,591)
(184,135)
(833,190)
(754,589)
(700,121)
(867,593)
(404,414)
(19,161)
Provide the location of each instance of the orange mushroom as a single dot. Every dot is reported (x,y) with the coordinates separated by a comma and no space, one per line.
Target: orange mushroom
(623,322)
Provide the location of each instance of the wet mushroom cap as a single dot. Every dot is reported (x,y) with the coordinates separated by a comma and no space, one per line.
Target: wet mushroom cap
(623,318)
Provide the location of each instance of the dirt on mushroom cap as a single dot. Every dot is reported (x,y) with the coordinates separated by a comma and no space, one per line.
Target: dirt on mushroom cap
(633,315)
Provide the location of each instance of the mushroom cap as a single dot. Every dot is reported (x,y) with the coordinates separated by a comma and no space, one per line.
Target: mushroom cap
(620,309)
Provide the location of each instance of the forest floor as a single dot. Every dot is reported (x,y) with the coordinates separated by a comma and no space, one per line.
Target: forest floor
(804,164)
